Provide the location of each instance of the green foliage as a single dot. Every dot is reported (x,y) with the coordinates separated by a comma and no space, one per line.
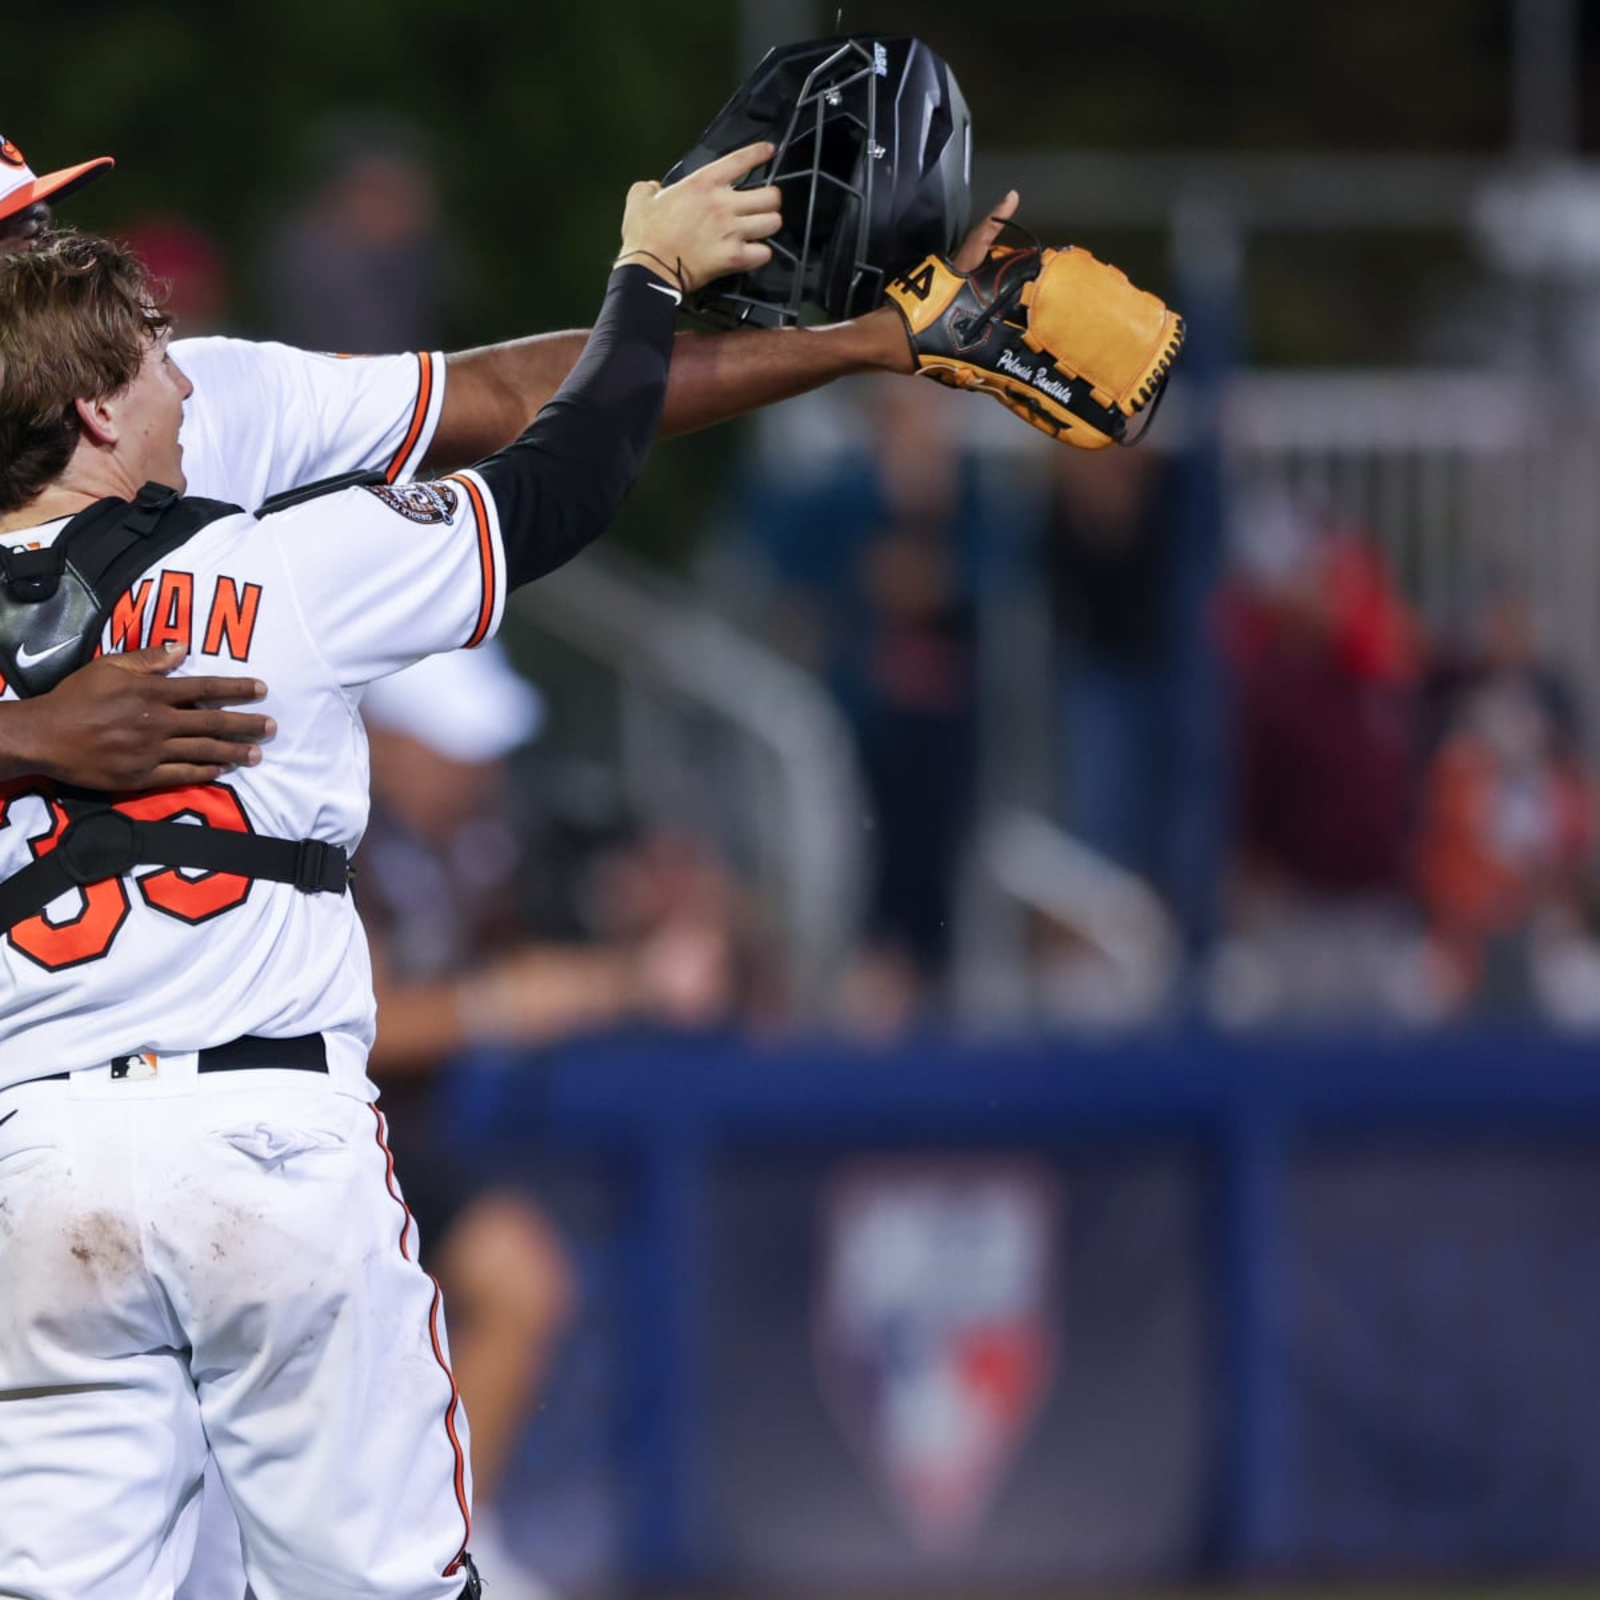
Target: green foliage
(539,115)
(1203,75)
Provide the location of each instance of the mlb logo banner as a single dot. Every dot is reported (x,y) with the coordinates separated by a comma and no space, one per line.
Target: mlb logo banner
(937,1327)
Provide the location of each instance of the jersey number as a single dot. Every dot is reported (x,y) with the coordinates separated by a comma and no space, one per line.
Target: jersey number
(919,283)
(88,935)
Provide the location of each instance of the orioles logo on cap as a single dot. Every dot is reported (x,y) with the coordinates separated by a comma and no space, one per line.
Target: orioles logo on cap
(9,153)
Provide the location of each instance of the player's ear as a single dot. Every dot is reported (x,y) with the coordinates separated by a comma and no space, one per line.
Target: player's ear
(97,419)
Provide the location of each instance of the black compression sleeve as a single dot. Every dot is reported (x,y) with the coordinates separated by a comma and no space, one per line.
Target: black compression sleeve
(560,483)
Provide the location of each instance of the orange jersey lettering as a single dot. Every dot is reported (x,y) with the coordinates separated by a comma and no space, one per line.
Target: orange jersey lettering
(171,620)
(127,620)
(233,619)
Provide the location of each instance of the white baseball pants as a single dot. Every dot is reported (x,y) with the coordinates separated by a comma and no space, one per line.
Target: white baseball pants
(223,1262)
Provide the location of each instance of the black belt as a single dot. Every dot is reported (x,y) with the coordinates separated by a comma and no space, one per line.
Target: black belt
(305,1052)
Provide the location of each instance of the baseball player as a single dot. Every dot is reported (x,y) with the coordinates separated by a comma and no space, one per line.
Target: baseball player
(201,1238)
(121,723)
(264,418)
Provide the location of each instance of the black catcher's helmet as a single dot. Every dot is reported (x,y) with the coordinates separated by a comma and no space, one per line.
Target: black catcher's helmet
(875,162)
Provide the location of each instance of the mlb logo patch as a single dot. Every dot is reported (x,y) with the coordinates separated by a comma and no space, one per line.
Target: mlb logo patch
(141,1064)
(937,1327)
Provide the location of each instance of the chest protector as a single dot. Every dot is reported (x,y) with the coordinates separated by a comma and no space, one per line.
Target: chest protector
(54,604)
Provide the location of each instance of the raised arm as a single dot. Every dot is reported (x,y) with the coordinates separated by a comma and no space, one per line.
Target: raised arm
(491,393)
(559,483)
(537,501)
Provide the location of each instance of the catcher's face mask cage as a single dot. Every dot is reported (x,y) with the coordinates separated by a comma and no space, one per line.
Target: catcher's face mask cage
(874,158)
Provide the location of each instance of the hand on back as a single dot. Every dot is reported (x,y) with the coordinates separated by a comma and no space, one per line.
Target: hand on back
(123,723)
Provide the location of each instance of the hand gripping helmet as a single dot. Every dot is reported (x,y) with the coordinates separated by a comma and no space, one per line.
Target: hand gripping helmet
(874,158)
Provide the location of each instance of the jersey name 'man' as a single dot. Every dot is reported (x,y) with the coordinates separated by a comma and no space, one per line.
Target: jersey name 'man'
(161,609)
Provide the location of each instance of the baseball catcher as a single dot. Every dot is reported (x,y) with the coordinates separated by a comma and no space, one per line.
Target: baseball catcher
(1057,336)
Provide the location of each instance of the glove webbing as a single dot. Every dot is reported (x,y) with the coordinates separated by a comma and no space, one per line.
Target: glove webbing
(1083,404)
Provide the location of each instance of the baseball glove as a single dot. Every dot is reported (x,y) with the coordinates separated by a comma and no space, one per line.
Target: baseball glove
(1059,337)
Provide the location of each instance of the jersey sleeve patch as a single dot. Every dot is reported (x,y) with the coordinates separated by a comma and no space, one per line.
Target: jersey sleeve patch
(418,502)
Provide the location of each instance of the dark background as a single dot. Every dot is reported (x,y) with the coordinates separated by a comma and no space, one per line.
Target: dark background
(539,116)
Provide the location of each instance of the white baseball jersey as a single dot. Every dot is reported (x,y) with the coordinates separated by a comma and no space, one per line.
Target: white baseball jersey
(265,417)
(318,600)
(208,1263)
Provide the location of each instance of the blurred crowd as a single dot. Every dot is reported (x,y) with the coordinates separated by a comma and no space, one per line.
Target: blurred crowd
(1414,814)
(1396,816)
(1405,814)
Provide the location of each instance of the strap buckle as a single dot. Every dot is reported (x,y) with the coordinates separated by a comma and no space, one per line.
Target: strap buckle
(319,867)
(33,575)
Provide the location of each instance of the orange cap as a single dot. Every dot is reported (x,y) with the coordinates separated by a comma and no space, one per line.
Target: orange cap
(20,187)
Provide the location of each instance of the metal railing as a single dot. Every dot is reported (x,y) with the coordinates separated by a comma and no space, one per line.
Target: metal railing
(1475,485)
(1470,482)
(1123,952)
(717,728)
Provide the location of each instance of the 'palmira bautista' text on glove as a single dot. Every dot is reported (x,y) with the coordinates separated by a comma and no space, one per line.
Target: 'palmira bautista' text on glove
(1059,337)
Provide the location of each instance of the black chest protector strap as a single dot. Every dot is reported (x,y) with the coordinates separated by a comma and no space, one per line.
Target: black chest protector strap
(54,602)
(53,608)
(100,843)
(287,499)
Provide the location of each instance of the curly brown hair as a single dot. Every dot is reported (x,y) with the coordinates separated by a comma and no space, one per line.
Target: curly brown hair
(76,318)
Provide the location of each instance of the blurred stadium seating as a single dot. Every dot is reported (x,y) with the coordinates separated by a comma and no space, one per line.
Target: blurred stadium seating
(1198,1214)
